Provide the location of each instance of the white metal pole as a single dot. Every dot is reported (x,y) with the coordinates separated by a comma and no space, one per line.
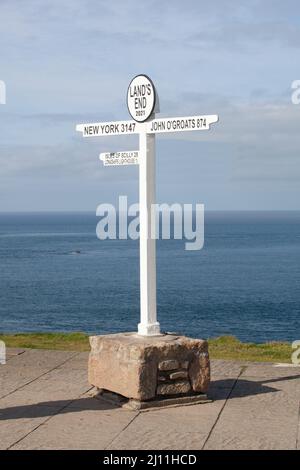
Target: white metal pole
(149,325)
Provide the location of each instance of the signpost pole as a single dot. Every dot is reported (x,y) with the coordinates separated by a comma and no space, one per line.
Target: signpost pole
(149,325)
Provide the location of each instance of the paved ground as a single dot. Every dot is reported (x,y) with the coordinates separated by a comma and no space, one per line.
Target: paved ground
(45,404)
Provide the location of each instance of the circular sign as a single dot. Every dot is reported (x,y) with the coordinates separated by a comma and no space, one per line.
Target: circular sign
(141,98)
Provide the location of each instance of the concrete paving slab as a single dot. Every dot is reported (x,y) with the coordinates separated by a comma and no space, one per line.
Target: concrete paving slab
(220,368)
(13,379)
(77,362)
(265,370)
(55,386)
(16,423)
(258,416)
(24,368)
(46,404)
(236,431)
(177,428)
(41,358)
(11,352)
(77,428)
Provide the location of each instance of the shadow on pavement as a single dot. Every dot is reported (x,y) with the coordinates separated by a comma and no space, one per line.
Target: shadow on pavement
(50,408)
(238,388)
(219,389)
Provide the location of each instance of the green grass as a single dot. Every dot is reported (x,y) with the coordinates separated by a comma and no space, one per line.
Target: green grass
(62,341)
(224,347)
(229,347)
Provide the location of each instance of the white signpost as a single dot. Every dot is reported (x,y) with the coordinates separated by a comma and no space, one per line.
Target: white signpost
(142,101)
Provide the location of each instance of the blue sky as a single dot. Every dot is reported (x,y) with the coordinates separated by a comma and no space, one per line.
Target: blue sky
(68,62)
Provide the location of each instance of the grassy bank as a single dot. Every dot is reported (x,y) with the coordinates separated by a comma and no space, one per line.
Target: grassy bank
(224,347)
(62,341)
(229,347)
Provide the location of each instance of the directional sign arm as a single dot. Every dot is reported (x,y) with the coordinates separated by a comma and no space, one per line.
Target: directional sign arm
(154,126)
(99,129)
(120,158)
(181,124)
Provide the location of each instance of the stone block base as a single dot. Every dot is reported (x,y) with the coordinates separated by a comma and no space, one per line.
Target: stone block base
(143,368)
(159,402)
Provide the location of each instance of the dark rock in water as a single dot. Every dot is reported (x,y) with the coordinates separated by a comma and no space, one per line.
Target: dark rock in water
(76,252)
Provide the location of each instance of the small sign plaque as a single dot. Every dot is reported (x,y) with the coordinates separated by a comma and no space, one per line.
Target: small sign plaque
(120,158)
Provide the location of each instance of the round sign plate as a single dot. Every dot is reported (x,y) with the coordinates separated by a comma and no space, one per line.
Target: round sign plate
(141,98)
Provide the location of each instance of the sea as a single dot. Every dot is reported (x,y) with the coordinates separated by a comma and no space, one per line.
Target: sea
(56,275)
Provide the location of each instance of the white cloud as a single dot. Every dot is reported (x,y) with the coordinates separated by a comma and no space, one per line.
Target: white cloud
(69,62)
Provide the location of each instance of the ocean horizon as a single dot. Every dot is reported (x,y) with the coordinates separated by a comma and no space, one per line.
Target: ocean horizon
(57,276)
